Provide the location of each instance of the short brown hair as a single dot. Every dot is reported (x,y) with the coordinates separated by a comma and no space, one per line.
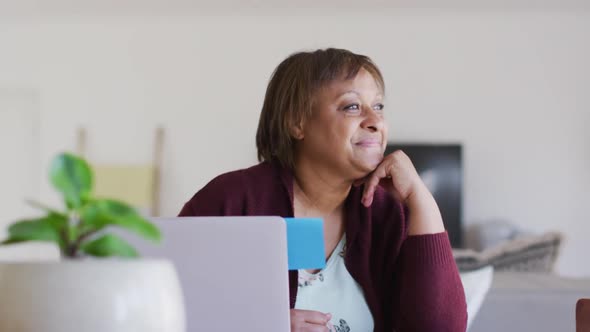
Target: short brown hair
(290,92)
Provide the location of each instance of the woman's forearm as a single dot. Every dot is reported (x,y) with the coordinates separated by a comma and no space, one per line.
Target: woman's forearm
(424,215)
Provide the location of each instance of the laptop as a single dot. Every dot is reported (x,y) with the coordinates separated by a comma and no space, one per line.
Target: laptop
(233,270)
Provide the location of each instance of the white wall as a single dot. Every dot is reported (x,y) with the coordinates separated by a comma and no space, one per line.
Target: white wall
(513,87)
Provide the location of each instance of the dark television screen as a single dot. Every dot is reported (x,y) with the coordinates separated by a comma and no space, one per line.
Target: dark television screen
(440,168)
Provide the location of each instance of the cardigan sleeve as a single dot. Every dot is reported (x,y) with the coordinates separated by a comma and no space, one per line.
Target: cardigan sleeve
(430,292)
(222,196)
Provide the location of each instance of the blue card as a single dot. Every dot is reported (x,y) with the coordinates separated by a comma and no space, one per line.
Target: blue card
(305,243)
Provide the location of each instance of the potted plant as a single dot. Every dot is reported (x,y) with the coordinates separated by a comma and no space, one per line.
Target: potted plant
(80,293)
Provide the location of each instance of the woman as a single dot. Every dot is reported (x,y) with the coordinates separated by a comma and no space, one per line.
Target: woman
(321,139)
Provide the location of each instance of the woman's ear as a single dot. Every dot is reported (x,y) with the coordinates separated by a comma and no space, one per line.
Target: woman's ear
(297,131)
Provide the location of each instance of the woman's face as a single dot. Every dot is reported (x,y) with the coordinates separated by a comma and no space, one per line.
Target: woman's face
(346,132)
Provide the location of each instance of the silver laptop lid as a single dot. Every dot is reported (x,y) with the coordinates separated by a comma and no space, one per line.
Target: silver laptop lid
(233,270)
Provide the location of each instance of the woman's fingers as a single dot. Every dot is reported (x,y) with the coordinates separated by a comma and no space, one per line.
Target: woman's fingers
(359,182)
(309,321)
(398,176)
(316,317)
(373,181)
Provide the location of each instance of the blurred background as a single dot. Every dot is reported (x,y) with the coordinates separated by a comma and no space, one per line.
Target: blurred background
(508,81)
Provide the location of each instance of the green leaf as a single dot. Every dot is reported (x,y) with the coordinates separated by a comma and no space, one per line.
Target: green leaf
(72,177)
(109,245)
(98,214)
(11,241)
(48,229)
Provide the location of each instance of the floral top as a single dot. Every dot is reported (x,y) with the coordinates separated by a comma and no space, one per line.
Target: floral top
(333,290)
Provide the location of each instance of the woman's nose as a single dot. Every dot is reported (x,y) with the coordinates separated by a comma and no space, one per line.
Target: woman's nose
(373,120)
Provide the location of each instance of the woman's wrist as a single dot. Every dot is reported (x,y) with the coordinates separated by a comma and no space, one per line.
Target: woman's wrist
(424,215)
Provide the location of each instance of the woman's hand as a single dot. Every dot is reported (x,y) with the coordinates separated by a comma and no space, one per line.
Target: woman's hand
(397,174)
(309,321)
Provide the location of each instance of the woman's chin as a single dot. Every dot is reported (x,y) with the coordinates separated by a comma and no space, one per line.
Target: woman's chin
(367,165)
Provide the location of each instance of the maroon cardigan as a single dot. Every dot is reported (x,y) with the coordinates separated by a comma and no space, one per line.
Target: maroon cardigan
(410,283)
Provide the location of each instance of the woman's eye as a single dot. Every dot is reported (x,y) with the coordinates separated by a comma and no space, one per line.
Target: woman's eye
(378,107)
(352,107)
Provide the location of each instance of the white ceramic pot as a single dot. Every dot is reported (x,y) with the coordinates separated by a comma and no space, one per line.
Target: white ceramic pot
(91,296)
